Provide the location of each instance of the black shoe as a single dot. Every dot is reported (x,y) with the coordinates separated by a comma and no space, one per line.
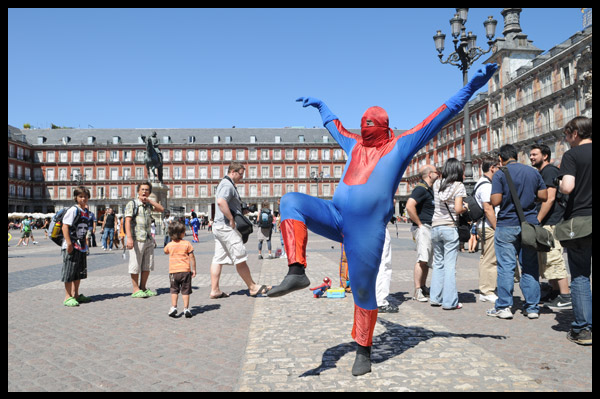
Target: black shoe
(583,337)
(389,308)
(560,303)
(362,363)
(290,283)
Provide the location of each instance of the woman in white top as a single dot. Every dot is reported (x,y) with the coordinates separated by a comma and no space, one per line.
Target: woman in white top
(448,193)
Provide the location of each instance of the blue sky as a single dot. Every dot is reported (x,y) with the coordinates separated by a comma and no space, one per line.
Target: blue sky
(218,68)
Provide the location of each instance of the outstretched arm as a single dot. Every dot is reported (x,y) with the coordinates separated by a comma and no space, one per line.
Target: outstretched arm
(343,137)
(459,100)
(418,136)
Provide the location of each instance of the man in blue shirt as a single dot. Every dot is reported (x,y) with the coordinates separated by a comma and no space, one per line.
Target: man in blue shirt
(530,188)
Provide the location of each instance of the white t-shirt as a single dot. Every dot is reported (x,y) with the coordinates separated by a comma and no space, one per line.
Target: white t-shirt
(483,194)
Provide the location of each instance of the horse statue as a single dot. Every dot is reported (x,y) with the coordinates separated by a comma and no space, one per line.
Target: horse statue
(153,158)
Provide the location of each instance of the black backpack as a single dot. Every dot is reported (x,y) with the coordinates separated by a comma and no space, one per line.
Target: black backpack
(266,218)
(475,212)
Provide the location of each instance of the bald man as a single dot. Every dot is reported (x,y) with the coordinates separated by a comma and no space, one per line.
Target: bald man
(420,207)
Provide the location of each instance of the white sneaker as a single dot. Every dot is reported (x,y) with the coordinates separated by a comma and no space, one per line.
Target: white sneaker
(501,314)
(419,296)
(488,298)
(173,311)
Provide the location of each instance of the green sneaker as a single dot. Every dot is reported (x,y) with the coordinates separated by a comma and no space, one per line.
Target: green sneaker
(71,302)
(149,293)
(139,294)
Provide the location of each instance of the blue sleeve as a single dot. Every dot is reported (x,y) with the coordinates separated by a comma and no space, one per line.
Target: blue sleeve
(345,139)
(416,138)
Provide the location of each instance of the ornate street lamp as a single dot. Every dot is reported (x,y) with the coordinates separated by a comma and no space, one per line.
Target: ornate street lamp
(465,54)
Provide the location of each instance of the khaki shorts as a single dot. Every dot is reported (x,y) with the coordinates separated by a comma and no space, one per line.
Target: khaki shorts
(229,247)
(552,264)
(422,237)
(141,257)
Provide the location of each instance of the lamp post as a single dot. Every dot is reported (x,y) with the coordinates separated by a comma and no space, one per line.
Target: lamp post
(465,54)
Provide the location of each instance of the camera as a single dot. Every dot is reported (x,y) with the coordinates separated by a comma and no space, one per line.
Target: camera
(557,180)
(248,208)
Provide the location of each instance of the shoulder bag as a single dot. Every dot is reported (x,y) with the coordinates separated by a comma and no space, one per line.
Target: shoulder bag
(532,236)
(464,230)
(574,232)
(242,223)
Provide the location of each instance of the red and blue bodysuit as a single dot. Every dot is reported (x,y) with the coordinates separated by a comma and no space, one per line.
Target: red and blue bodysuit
(376,161)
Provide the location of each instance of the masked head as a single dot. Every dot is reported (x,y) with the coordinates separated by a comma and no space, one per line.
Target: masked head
(374,127)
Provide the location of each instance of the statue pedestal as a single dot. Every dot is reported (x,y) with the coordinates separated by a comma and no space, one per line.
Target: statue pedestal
(160,195)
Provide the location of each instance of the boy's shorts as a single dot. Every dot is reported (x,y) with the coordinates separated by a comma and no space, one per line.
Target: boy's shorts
(74,266)
(181,283)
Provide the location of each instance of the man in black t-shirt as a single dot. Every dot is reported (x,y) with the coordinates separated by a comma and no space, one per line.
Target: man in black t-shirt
(552,264)
(108,229)
(576,169)
(420,207)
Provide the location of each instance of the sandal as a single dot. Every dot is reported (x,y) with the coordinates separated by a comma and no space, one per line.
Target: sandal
(83,299)
(139,294)
(71,302)
(223,295)
(149,293)
(262,290)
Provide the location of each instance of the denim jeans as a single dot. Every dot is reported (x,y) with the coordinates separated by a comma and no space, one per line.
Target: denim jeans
(108,233)
(444,240)
(508,247)
(580,265)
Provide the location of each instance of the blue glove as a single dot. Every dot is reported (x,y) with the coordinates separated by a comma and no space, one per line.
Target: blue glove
(326,114)
(458,101)
(482,75)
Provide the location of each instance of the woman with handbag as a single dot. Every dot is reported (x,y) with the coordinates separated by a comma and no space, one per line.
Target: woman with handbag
(448,194)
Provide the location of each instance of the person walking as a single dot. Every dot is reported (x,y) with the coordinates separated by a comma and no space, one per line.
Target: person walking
(507,240)
(265,224)
(448,195)
(138,220)
(576,170)
(229,247)
(420,208)
(108,229)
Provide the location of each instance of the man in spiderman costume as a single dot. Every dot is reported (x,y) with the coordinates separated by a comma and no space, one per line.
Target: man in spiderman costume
(362,204)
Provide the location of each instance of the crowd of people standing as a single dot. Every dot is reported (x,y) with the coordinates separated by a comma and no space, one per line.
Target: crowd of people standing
(547,195)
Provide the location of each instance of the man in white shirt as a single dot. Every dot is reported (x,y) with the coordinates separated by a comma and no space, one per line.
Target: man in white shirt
(488,264)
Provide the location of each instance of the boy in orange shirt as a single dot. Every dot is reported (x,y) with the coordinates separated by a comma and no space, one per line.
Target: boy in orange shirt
(182,268)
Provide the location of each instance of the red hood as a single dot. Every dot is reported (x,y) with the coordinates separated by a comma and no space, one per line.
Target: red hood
(374,127)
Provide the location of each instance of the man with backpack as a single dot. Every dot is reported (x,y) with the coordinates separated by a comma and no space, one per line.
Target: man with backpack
(486,227)
(140,243)
(265,222)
